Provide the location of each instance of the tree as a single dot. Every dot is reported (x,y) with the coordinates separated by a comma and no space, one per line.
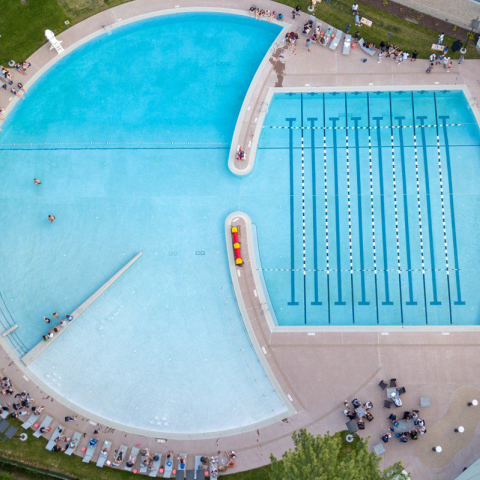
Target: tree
(331,458)
(6,476)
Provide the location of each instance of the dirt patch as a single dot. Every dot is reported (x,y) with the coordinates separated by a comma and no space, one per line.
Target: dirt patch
(419,18)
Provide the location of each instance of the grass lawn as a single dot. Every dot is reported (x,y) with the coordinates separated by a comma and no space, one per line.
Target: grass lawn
(22,27)
(32,452)
(404,34)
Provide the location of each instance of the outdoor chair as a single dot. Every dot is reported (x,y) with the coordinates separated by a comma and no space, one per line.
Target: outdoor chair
(382,385)
(387,404)
(393,382)
(401,391)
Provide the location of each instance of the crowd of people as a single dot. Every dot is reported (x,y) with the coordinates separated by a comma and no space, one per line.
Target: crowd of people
(260,13)
(21,403)
(8,78)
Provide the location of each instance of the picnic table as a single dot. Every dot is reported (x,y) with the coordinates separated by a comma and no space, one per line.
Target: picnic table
(392,394)
(404,426)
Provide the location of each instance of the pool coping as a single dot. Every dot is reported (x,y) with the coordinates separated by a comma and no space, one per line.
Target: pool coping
(388,88)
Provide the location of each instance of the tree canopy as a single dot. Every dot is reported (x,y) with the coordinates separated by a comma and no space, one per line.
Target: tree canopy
(330,457)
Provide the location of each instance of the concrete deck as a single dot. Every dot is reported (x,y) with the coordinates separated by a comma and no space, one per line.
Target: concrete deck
(319,370)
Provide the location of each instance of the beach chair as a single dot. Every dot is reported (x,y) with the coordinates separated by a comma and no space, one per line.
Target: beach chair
(51,443)
(46,423)
(133,454)
(76,439)
(121,452)
(89,453)
(103,456)
(199,471)
(3,426)
(156,465)
(347,44)
(29,421)
(336,40)
(180,475)
(9,434)
(168,468)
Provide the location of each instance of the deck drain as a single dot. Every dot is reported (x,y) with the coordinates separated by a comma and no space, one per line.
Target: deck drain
(199,252)
(173,254)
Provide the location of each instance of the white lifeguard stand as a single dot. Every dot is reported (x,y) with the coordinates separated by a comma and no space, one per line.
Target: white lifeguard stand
(56,44)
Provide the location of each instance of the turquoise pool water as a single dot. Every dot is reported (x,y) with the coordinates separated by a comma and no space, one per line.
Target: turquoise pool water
(130,135)
(376,208)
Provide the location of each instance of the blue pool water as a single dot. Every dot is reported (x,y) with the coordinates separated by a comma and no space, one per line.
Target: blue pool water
(383,230)
(130,135)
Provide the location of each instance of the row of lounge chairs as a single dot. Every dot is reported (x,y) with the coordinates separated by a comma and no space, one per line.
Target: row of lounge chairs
(172,469)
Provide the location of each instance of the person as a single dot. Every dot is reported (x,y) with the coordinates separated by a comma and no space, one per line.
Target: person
(414,56)
(2,116)
(104,452)
(419,422)
(356,403)
(422,430)
(354,8)
(351,415)
(369,416)
(68,418)
(294,14)
(69,317)
(55,315)
(380,55)
(45,338)
(51,218)
(347,28)
(73,444)
(356,36)
(357,20)
(440,38)
(21,87)
(181,462)
(298,9)
(440,59)
(405,55)
(62,323)
(19,68)
(46,319)
(93,442)
(45,429)
(368,405)
(38,410)
(386,437)
(17,93)
(36,181)
(252,10)
(361,424)
(118,457)
(56,448)
(430,68)
(432,57)
(460,60)
(309,42)
(414,434)
(280,17)
(131,461)
(403,438)
(50,334)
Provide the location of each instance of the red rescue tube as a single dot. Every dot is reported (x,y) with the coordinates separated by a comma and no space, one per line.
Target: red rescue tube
(236,246)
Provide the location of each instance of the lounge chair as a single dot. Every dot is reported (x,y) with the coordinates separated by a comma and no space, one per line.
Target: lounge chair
(370,51)
(29,421)
(180,475)
(76,440)
(46,423)
(347,44)
(133,454)
(119,457)
(58,431)
(168,467)
(199,471)
(156,465)
(9,434)
(89,453)
(103,456)
(336,40)
(3,426)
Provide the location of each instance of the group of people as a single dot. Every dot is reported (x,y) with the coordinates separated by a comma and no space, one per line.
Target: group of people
(61,324)
(8,77)
(412,433)
(320,36)
(260,13)
(442,59)
(359,411)
(22,402)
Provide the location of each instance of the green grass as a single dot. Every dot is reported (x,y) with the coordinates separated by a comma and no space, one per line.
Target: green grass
(33,453)
(23,26)
(404,34)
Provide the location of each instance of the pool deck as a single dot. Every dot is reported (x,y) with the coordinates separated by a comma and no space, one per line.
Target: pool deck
(317,369)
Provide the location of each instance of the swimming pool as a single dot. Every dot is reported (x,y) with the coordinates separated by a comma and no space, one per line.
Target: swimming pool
(129,135)
(374,206)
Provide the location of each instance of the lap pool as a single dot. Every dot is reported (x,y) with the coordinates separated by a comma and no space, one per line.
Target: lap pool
(376,206)
(130,135)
